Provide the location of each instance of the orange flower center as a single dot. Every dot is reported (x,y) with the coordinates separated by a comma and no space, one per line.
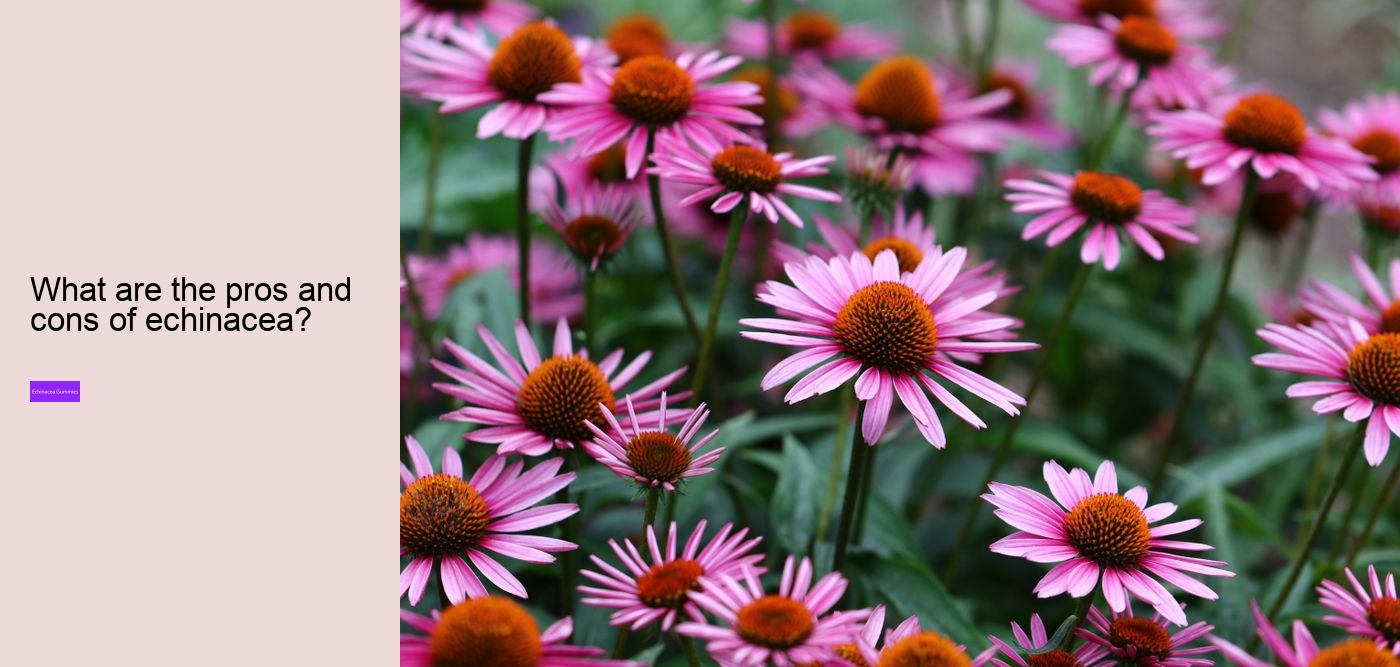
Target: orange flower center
(1143,634)
(1118,8)
(1021,100)
(1373,368)
(1145,40)
(637,35)
(486,632)
(531,60)
(747,169)
(1274,212)
(851,653)
(1354,653)
(775,622)
(900,91)
(1109,530)
(1266,123)
(609,165)
(925,649)
(652,90)
(658,455)
(1106,197)
(439,515)
(1382,145)
(1390,318)
(460,6)
(908,254)
(592,235)
(808,29)
(560,394)
(1056,658)
(1384,615)
(666,585)
(888,326)
(760,76)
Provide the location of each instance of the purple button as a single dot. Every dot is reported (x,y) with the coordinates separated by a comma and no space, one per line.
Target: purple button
(54,391)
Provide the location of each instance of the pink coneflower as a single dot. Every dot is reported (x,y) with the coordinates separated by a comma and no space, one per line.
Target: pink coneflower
(734,174)
(562,176)
(664,588)
(1108,204)
(466,73)
(594,224)
(1188,18)
(1381,315)
(1373,612)
(876,180)
(637,35)
(1030,113)
(1264,132)
(1145,642)
(493,631)
(1379,208)
(812,34)
(907,235)
(445,520)
(546,403)
(1363,379)
(555,289)
(798,115)
(1096,531)
(907,644)
(787,628)
(675,97)
(1136,51)
(1372,126)
(894,330)
(434,18)
(1305,652)
(1033,646)
(654,458)
(1279,203)
(900,105)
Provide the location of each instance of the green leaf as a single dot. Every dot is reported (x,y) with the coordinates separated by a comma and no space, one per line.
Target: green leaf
(891,530)
(914,589)
(487,299)
(1238,463)
(1233,617)
(794,506)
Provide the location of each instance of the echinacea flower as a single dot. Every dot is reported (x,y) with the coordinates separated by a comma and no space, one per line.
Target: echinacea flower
(1136,52)
(1097,534)
(1380,315)
(785,629)
(798,116)
(908,644)
(1261,132)
(1108,204)
(1038,653)
(493,631)
(653,458)
(1365,612)
(563,176)
(1145,642)
(555,290)
(434,18)
(742,174)
(595,224)
(1379,209)
(637,35)
(1372,126)
(876,181)
(546,403)
(892,331)
(1363,380)
(675,98)
(466,73)
(1030,113)
(1305,652)
(661,590)
(906,234)
(1188,18)
(445,521)
(811,34)
(900,105)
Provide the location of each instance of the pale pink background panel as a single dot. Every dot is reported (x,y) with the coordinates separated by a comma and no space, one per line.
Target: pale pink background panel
(216,498)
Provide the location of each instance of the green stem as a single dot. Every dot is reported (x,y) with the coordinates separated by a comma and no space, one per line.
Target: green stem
(867,470)
(1358,496)
(1300,254)
(1319,467)
(653,499)
(1105,144)
(771,109)
(590,312)
(436,129)
(667,251)
(989,41)
(1314,530)
(707,343)
(962,31)
(522,222)
(1381,504)
(418,320)
(620,646)
(692,655)
(848,506)
(1222,293)
(1076,288)
(1081,611)
(833,481)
